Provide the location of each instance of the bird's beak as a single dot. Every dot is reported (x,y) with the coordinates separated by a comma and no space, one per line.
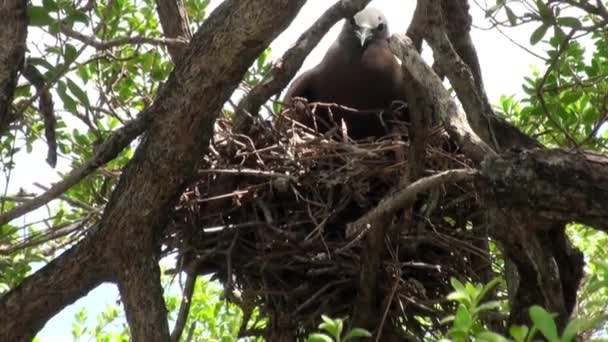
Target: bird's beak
(364,34)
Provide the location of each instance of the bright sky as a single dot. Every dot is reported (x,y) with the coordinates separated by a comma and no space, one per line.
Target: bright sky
(503,65)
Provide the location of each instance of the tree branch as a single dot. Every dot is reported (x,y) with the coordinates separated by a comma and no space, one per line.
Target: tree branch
(406,196)
(465,75)
(184,308)
(559,186)
(455,121)
(106,152)
(137,40)
(13,32)
(174,20)
(46,108)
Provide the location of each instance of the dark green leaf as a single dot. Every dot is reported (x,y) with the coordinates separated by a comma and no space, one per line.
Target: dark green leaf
(545,12)
(519,332)
(511,16)
(569,22)
(39,16)
(356,333)
(50,5)
(79,93)
(538,34)
(319,338)
(70,54)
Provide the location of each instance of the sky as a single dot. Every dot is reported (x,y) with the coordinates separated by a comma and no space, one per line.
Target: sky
(503,66)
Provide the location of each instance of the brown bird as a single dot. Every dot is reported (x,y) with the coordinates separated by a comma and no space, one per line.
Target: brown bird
(358,71)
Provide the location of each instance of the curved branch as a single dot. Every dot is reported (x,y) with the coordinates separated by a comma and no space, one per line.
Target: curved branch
(404,197)
(454,52)
(454,120)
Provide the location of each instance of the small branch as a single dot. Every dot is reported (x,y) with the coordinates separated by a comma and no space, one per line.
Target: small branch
(52,234)
(406,196)
(283,71)
(137,40)
(107,151)
(70,201)
(184,309)
(250,172)
(46,108)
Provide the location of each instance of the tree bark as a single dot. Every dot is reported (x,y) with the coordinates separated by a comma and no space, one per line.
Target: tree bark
(182,119)
(13,32)
(174,20)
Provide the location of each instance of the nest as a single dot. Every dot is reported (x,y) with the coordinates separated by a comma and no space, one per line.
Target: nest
(268,213)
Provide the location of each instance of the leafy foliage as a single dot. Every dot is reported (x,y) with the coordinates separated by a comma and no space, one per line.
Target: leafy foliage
(333,332)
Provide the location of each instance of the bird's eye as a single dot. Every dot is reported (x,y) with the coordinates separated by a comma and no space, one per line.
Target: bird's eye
(381,27)
(353,21)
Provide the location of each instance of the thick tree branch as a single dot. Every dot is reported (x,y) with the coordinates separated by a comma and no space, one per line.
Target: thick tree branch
(25,309)
(13,32)
(282,72)
(174,20)
(454,120)
(180,126)
(464,72)
(559,186)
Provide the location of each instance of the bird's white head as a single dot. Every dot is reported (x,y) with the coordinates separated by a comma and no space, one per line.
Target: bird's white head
(369,24)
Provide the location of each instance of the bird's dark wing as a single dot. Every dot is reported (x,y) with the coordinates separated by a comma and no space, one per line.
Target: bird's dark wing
(302,86)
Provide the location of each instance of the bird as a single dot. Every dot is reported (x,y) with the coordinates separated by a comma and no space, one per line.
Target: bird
(358,71)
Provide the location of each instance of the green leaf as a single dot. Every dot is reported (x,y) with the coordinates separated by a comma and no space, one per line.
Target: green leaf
(544,322)
(70,54)
(511,16)
(489,288)
(538,34)
(76,16)
(519,332)
(490,337)
(491,305)
(457,285)
(545,12)
(319,338)
(569,22)
(39,16)
(67,100)
(332,326)
(50,5)
(79,93)
(463,318)
(356,333)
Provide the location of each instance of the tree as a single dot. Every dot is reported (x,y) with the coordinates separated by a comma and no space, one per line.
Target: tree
(121,211)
